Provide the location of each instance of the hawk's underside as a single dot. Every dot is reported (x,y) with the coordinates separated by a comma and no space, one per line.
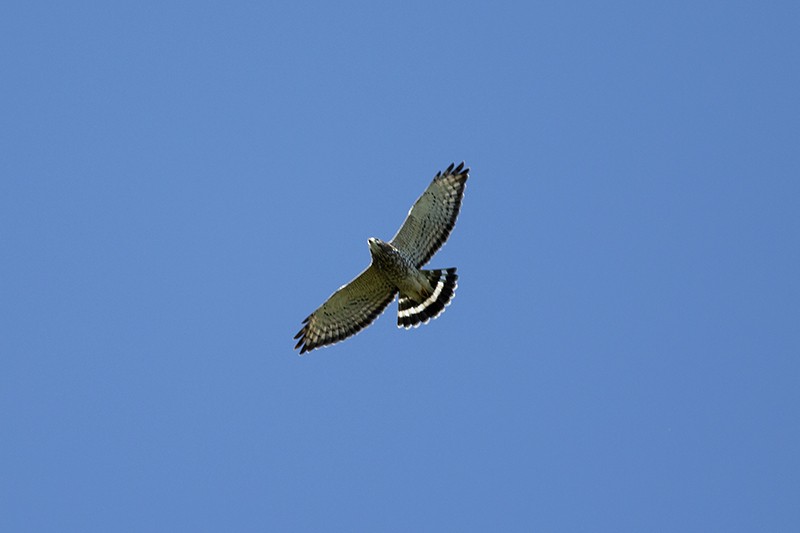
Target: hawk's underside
(396,267)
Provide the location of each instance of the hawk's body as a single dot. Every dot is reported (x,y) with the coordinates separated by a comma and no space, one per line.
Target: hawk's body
(396,267)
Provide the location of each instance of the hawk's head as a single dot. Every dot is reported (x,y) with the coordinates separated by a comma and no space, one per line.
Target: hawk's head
(374,243)
(377,246)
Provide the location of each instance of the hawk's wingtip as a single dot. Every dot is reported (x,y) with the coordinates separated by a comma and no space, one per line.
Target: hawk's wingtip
(453,170)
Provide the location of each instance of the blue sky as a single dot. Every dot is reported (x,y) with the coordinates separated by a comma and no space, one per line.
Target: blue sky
(182,183)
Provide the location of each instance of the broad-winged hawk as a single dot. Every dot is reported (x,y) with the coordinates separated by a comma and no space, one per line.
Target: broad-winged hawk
(396,267)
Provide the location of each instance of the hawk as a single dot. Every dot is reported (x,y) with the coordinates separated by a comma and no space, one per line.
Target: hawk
(396,267)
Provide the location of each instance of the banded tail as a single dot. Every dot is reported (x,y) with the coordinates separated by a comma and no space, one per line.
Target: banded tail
(412,314)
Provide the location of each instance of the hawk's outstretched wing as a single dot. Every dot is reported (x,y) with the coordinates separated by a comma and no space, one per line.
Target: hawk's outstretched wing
(431,219)
(349,310)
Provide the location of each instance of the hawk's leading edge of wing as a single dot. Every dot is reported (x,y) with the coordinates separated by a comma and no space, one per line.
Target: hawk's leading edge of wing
(431,219)
(349,310)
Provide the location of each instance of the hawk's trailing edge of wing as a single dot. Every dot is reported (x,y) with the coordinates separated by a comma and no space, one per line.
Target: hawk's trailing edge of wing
(432,217)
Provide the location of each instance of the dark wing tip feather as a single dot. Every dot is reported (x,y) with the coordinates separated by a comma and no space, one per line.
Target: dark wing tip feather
(453,170)
(303,343)
(460,171)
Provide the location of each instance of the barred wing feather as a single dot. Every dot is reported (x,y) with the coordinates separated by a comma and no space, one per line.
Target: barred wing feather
(349,310)
(431,219)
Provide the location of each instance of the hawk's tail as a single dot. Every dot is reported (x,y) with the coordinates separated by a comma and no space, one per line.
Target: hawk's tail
(412,314)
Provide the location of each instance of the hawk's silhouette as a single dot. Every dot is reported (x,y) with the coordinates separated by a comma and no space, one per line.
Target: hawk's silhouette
(396,267)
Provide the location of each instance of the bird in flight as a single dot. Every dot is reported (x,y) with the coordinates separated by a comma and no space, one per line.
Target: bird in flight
(396,267)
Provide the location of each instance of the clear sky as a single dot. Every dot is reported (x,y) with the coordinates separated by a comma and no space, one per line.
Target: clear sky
(181,183)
